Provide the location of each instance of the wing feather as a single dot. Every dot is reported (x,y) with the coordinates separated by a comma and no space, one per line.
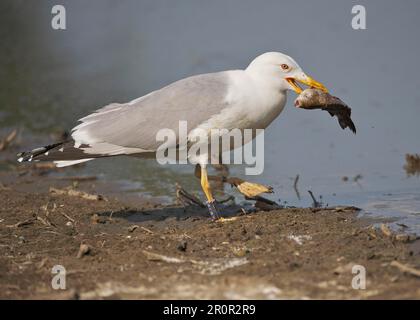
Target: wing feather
(134,125)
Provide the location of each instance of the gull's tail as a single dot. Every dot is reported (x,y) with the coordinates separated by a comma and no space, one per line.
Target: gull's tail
(62,154)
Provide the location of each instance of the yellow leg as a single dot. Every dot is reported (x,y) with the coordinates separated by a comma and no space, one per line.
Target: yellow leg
(211,203)
(205,184)
(201,173)
(248,189)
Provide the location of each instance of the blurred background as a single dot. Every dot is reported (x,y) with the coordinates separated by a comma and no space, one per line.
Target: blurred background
(117,51)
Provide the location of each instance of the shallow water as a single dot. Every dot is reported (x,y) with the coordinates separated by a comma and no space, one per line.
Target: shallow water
(118,51)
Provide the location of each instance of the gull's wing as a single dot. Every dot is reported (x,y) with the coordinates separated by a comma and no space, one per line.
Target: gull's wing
(132,127)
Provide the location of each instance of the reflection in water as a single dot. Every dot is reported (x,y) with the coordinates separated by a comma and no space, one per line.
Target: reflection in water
(117,51)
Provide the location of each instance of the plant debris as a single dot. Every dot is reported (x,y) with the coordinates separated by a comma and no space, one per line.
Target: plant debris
(244,258)
(386,230)
(249,189)
(83,250)
(295,186)
(182,245)
(405,268)
(315,203)
(4,143)
(401,237)
(185,198)
(412,166)
(69,191)
(132,228)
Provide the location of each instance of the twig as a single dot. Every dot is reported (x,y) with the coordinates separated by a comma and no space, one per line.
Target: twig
(186,198)
(187,236)
(41,264)
(68,217)
(8,140)
(3,187)
(76,193)
(147,230)
(405,268)
(53,232)
(22,223)
(316,204)
(295,186)
(159,257)
(44,221)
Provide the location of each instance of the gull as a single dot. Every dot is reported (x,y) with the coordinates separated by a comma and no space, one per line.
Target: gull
(235,99)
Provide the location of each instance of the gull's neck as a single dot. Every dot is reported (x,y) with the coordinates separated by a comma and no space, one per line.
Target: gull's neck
(266,78)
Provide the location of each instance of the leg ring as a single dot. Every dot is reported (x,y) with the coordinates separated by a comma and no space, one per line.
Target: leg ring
(212,207)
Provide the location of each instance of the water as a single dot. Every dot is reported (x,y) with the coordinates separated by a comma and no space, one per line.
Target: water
(117,51)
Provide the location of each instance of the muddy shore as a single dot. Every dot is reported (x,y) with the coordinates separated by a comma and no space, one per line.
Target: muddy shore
(150,251)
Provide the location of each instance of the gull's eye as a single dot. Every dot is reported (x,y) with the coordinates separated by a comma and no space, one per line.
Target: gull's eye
(285,66)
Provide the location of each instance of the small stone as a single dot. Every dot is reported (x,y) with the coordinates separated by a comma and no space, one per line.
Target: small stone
(343,269)
(386,230)
(182,246)
(412,237)
(132,228)
(94,219)
(294,265)
(240,251)
(402,237)
(83,250)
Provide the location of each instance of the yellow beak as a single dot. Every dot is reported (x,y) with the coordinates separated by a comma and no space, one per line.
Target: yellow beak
(307,80)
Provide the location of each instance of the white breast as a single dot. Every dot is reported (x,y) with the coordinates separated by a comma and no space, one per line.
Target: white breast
(251,105)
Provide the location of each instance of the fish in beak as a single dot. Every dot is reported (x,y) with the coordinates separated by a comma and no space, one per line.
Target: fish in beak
(306,80)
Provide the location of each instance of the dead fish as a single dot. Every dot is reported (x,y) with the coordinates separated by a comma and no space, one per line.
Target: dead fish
(317,99)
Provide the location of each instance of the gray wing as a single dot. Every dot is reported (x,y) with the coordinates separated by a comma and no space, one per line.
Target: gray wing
(135,124)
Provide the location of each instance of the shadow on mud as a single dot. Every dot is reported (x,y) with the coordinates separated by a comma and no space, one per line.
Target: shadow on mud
(170,212)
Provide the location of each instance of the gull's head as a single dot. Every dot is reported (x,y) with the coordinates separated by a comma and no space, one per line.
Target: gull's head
(282,72)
